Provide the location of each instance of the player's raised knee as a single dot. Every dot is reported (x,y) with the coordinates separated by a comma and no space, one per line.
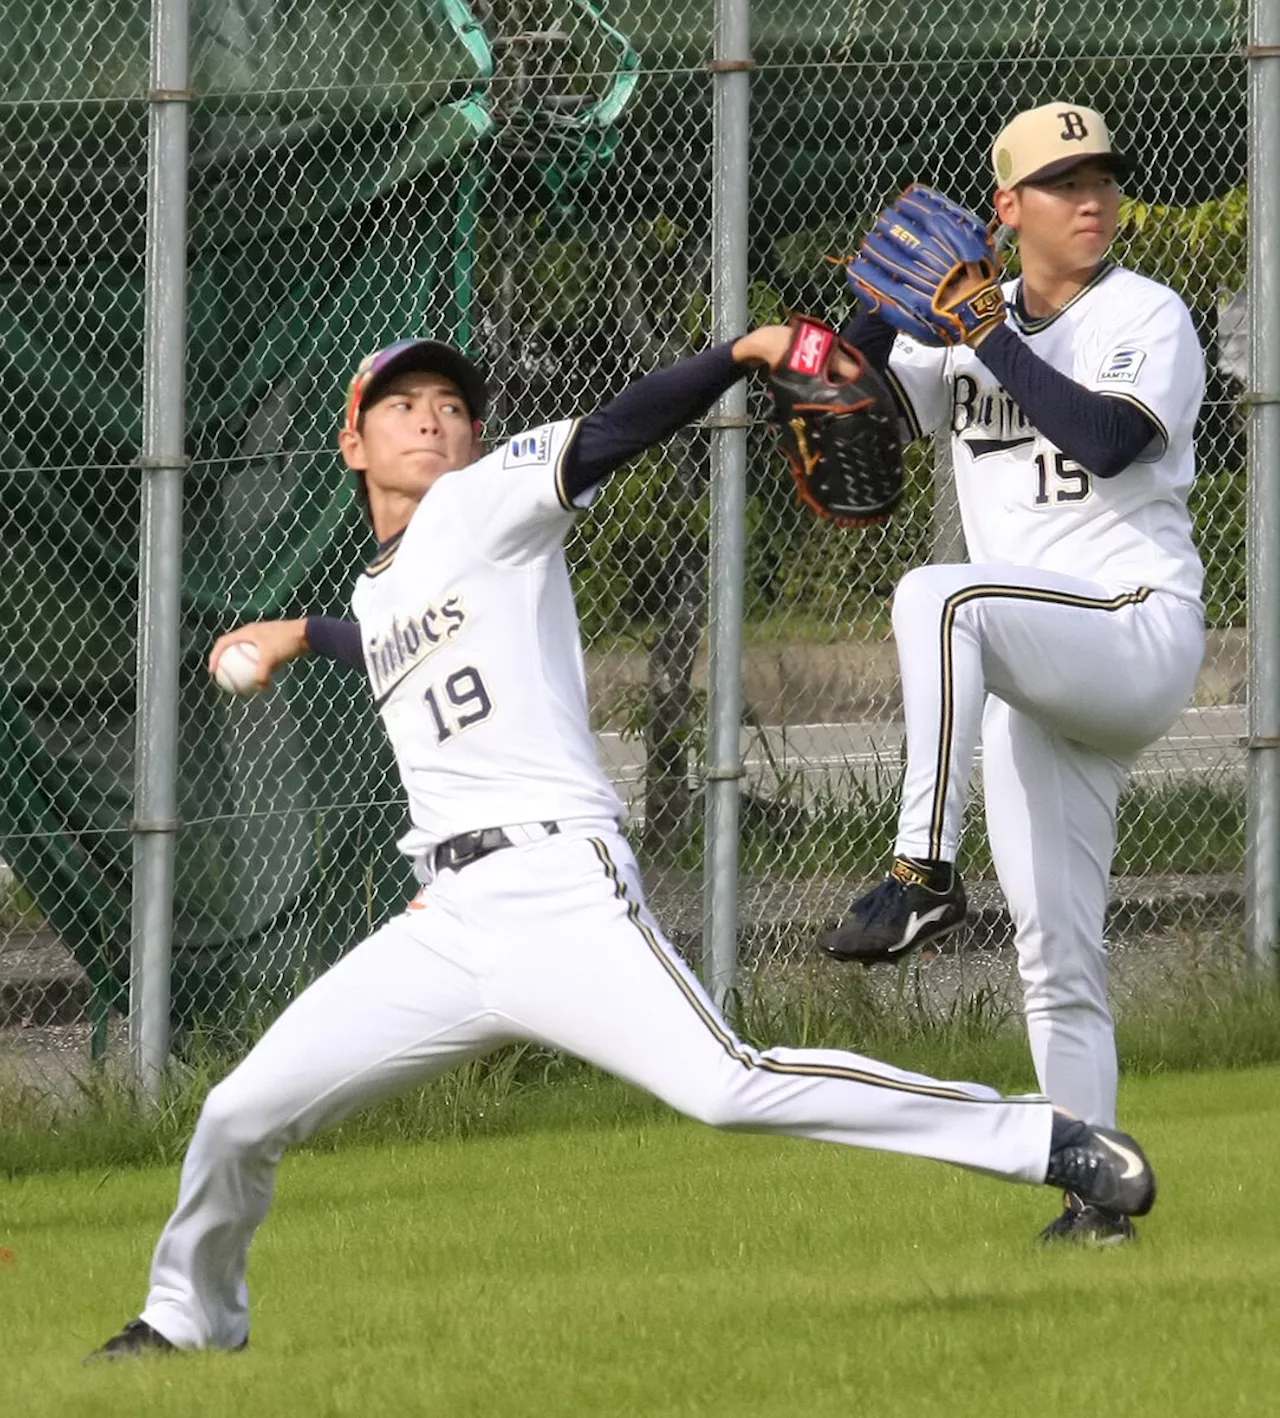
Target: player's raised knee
(916,596)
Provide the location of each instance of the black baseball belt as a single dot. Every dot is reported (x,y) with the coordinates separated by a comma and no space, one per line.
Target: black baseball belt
(468,847)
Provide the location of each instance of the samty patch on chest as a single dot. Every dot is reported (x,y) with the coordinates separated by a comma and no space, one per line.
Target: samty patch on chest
(394,647)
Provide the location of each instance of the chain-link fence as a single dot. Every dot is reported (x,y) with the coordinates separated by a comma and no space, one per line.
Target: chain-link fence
(534,179)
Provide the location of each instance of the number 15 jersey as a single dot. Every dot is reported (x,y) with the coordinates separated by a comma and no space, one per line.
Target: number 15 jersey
(1022,501)
(473,650)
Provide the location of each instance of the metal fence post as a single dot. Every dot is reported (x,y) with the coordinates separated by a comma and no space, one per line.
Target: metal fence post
(160,546)
(1262,887)
(730,71)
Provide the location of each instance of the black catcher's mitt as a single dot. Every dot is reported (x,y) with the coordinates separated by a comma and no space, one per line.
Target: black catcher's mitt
(839,432)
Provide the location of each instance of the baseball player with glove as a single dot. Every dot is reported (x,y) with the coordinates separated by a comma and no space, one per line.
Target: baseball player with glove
(1074,636)
(531,922)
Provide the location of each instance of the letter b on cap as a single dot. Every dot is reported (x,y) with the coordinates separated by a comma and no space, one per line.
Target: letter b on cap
(1073,127)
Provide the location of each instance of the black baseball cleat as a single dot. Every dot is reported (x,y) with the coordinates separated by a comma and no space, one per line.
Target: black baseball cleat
(1102,1167)
(137,1339)
(911,905)
(134,1340)
(1080,1225)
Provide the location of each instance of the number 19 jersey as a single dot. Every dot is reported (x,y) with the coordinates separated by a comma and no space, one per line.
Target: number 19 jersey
(1022,501)
(474,654)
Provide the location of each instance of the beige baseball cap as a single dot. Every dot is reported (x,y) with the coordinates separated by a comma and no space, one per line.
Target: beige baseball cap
(1042,142)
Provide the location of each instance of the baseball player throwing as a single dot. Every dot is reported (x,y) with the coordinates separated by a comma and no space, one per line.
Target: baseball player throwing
(531,922)
(1073,638)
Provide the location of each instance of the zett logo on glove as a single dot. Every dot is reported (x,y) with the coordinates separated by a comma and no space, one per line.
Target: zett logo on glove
(988,304)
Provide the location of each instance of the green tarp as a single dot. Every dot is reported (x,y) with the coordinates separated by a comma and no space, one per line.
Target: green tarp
(335,161)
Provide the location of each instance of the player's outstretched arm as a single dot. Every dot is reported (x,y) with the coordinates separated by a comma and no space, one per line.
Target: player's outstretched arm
(764,345)
(336,640)
(767,345)
(276,641)
(655,406)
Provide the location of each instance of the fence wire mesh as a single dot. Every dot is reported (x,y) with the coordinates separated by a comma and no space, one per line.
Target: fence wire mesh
(531,178)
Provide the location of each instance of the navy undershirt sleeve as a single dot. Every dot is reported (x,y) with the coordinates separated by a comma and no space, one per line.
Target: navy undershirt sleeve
(336,640)
(873,336)
(645,413)
(1102,434)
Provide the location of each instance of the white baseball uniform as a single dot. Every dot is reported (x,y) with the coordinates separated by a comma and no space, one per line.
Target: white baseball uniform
(1070,642)
(474,655)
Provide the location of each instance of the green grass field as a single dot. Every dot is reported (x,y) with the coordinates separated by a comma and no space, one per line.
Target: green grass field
(650,1266)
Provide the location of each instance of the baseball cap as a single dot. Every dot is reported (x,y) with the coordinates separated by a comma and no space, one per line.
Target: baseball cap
(1042,142)
(377,369)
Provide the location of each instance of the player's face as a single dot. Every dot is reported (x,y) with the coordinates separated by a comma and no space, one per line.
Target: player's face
(415,431)
(1068,222)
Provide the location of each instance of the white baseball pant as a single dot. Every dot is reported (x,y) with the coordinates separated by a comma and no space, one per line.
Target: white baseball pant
(1066,681)
(550,942)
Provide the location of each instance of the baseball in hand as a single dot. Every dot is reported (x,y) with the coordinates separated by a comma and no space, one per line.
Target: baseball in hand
(236,668)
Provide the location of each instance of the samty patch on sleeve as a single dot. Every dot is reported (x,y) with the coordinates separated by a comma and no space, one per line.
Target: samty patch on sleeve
(529,449)
(1121,366)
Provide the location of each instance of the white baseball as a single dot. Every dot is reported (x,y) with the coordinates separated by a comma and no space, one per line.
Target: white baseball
(236,668)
